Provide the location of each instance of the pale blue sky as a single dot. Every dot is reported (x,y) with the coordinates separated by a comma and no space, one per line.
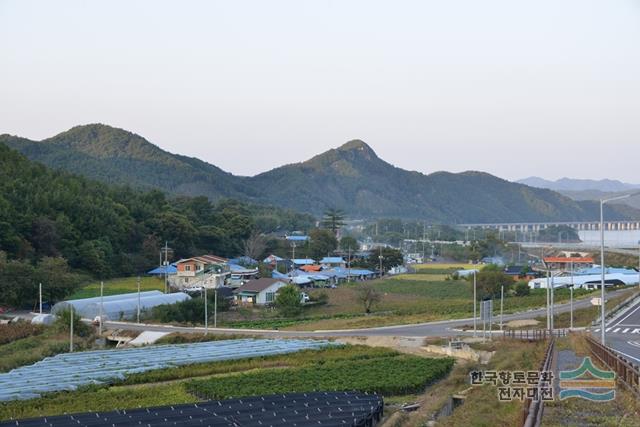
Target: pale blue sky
(515,88)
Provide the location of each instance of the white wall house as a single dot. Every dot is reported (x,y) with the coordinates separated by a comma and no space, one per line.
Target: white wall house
(259,292)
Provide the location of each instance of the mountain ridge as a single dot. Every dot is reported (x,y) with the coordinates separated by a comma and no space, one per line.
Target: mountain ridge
(350,177)
(572,184)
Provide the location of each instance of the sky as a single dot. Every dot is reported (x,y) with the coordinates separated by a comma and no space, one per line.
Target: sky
(514,88)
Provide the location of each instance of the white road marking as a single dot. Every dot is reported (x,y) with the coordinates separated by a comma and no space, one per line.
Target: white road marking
(628,315)
(596,330)
(627,355)
(626,330)
(615,331)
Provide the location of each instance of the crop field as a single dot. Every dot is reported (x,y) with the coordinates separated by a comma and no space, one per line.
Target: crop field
(387,376)
(119,286)
(338,368)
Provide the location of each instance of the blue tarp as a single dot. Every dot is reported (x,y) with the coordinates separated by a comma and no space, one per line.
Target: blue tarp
(160,271)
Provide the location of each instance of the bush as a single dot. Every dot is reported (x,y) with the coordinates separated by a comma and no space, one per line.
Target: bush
(320,298)
(63,324)
(522,289)
(188,311)
(15,331)
(288,301)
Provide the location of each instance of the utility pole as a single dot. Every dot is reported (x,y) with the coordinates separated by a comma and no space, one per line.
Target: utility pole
(571,307)
(475,303)
(71,329)
(380,259)
(548,298)
(206,320)
(349,265)
(215,307)
(166,267)
(553,286)
(40,297)
(138,299)
(101,308)
(293,256)
(501,305)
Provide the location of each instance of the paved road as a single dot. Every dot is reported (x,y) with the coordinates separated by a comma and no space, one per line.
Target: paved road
(623,333)
(438,329)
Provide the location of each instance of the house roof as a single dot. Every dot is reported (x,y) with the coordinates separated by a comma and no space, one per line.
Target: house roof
(258,285)
(297,238)
(272,258)
(332,260)
(205,259)
(309,268)
(568,260)
(303,261)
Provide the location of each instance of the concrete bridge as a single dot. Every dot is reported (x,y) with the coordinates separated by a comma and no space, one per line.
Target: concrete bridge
(537,226)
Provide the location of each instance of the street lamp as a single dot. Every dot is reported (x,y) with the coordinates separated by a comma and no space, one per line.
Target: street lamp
(602,308)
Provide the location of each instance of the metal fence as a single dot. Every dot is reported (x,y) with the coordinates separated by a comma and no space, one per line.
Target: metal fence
(533,410)
(535,334)
(627,372)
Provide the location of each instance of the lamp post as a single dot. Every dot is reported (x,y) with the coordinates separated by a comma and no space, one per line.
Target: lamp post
(602,307)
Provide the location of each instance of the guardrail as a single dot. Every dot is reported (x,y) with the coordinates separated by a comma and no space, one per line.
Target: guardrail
(627,372)
(533,410)
(534,334)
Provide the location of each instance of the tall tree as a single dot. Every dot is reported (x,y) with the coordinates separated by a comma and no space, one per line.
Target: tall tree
(255,245)
(333,219)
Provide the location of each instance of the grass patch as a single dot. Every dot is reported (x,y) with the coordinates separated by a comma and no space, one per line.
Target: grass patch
(26,351)
(123,285)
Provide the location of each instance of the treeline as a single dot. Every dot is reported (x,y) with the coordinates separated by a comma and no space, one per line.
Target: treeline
(86,227)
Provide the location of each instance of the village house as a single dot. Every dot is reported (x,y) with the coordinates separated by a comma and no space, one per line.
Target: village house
(259,292)
(333,261)
(208,271)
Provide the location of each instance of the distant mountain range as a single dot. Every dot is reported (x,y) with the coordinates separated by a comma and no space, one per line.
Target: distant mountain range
(351,177)
(568,184)
(588,189)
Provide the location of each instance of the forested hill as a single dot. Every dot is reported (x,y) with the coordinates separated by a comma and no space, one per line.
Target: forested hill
(108,230)
(116,156)
(352,178)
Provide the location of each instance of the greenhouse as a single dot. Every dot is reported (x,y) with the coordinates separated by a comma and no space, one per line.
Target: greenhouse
(118,307)
(71,370)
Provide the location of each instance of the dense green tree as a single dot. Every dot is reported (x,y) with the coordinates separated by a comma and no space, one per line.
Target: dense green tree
(323,243)
(391,257)
(288,301)
(490,280)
